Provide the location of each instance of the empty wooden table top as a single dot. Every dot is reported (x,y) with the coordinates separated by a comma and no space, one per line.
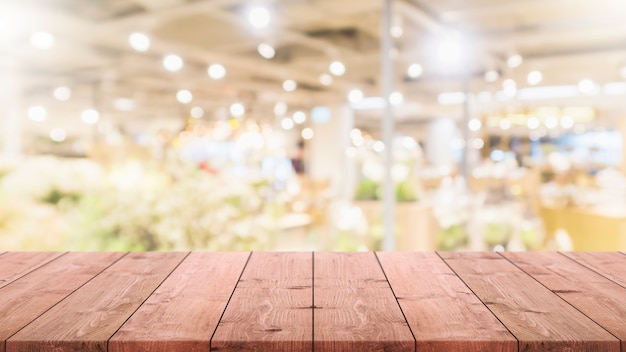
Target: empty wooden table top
(402,301)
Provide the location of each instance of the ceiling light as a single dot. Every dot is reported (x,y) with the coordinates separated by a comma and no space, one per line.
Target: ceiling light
(307,133)
(62,93)
(237,110)
(326,79)
(567,121)
(491,76)
(355,96)
(396,98)
(37,113)
(396,31)
(587,86)
(299,117)
(509,87)
(90,116)
(514,60)
(216,71)
(280,108)
(337,68)
(184,96)
(451,49)
(474,124)
(505,124)
(451,98)
(173,63)
(551,122)
(378,146)
(415,70)
(532,123)
(197,112)
(124,104)
(57,135)
(42,40)
(259,17)
(286,123)
(266,50)
(290,85)
(139,41)
(534,77)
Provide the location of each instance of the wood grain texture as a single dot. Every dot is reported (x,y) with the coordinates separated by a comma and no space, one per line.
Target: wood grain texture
(444,315)
(271,308)
(30,296)
(183,312)
(355,309)
(539,319)
(602,300)
(86,319)
(608,264)
(14,265)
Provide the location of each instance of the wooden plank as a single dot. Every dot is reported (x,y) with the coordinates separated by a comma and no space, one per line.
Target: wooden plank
(14,265)
(539,319)
(86,319)
(183,312)
(600,299)
(444,315)
(30,296)
(271,308)
(355,309)
(608,264)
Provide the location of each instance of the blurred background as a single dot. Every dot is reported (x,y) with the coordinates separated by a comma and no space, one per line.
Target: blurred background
(249,124)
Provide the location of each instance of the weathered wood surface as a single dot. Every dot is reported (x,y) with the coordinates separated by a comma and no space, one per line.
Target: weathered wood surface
(443,313)
(271,309)
(538,318)
(203,301)
(355,309)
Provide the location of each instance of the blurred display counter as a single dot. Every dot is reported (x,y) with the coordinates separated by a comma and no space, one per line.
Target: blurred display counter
(589,230)
(415,225)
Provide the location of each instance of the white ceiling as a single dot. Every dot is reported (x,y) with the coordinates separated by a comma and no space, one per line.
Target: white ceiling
(567,40)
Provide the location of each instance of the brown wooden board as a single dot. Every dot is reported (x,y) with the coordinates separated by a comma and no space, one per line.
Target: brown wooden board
(14,265)
(538,318)
(600,299)
(30,296)
(355,309)
(608,264)
(444,315)
(183,312)
(86,319)
(271,308)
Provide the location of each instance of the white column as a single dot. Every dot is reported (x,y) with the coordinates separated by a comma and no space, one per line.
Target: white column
(10,115)
(327,158)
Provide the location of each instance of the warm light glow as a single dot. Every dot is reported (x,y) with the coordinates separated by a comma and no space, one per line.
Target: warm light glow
(173,63)
(396,31)
(37,113)
(355,96)
(477,143)
(491,76)
(532,123)
(451,98)
(237,110)
(42,40)
(534,77)
(552,122)
(337,68)
(286,123)
(474,124)
(587,86)
(414,71)
(307,133)
(197,112)
(124,104)
(514,60)
(266,50)
(90,116)
(259,17)
(396,98)
(62,93)
(290,85)
(505,124)
(216,71)
(451,49)
(326,79)
(299,117)
(280,108)
(379,146)
(57,135)
(509,87)
(139,42)
(184,96)
(567,121)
